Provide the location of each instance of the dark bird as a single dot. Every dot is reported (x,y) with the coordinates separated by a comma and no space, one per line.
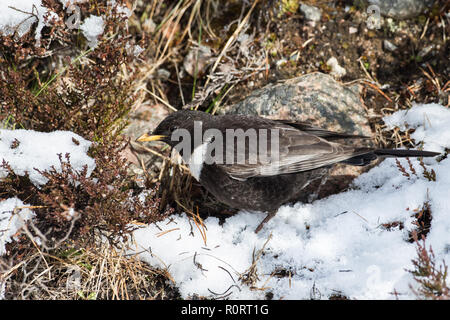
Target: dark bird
(297,156)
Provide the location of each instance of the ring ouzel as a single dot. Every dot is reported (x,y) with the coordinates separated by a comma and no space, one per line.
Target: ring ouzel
(297,155)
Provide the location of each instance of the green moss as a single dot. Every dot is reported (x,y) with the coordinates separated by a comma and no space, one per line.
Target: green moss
(288,7)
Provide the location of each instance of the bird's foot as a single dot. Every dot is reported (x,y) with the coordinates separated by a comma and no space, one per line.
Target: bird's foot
(269,216)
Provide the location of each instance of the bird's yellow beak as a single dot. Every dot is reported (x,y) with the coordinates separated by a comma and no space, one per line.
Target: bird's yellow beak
(146,137)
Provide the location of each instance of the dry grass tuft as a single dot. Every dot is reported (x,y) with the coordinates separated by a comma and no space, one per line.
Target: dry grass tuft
(250,276)
(67,272)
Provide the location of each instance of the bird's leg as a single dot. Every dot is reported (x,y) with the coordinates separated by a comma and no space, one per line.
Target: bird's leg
(313,197)
(269,216)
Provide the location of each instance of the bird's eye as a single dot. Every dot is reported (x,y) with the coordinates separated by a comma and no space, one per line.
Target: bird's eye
(173,128)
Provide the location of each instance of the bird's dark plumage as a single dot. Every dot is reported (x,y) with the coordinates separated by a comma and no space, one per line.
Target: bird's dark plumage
(305,154)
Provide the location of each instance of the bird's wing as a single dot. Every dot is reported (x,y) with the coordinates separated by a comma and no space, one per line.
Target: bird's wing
(298,151)
(320,132)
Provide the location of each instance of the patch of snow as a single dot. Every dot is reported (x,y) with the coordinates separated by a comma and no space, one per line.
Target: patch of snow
(67,3)
(336,70)
(19,15)
(13,215)
(430,121)
(25,150)
(122,10)
(92,27)
(336,245)
(135,50)
(310,12)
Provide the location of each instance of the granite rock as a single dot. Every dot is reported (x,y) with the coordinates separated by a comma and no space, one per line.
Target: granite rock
(402,9)
(316,98)
(141,120)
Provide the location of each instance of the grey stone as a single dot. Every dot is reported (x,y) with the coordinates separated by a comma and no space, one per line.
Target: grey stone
(402,9)
(316,98)
(422,53)
(142,120)
(389,46)
(197,59)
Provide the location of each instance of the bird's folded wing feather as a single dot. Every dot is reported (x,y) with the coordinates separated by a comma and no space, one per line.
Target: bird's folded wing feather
(298,151)
(320,132)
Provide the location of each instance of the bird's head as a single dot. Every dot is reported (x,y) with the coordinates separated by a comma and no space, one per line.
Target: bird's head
(183,119)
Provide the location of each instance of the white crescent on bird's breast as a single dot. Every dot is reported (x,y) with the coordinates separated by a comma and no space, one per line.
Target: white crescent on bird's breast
(197,159)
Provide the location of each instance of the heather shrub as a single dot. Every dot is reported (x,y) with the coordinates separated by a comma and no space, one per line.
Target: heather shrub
(430,276)
(65,83)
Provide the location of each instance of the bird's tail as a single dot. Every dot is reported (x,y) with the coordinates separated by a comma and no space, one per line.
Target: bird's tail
(366,157)
(398,153)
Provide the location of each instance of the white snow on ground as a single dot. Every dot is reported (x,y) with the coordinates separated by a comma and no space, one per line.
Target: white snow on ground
(25,150)
(20,15)
(92,28)
(332,246)
(431,123)
(67,3)
(40,150)
(122,10)
(13,214)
